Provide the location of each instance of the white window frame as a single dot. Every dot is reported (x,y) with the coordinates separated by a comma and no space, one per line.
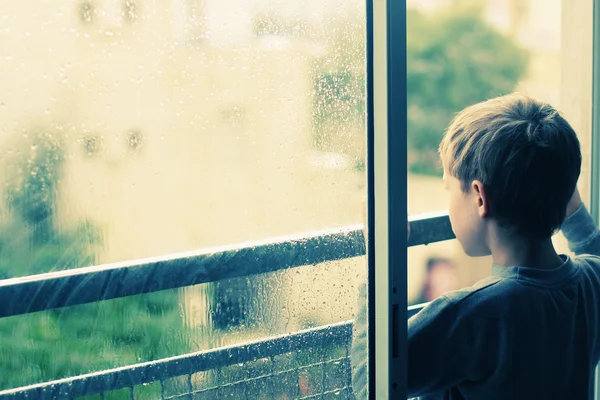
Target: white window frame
(388,202)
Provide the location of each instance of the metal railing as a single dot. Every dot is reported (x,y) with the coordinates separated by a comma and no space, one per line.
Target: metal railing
(268,368)
(306,364)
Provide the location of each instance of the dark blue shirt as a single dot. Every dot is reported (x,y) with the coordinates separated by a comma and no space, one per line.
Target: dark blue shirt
(521,333)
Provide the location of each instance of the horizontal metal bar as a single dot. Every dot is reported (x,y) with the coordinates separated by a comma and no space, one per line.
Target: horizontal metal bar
(340,393)
(91,284)
(429,228)
(110,281)
(414,309)
(265,376)
(130,376)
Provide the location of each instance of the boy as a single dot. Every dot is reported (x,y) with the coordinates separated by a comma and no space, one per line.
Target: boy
(531,330)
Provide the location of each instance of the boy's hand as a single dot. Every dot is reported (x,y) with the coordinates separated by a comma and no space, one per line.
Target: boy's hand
(574,203)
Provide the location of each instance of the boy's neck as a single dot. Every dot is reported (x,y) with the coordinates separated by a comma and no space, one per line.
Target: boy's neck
(523,253)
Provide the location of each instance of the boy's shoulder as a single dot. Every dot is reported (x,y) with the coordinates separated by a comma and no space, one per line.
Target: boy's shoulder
(488,297)
(588,259)
(463,302)
(589,265)
(482,288)
(495,294)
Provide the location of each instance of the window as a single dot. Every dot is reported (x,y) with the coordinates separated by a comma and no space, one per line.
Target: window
(127,144)
(214,162)
(561,67)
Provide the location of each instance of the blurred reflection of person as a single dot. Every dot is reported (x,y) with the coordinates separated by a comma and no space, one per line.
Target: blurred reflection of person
(441,278)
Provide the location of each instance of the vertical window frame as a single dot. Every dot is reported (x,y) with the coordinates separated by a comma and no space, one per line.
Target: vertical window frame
(594,197)
(387,216)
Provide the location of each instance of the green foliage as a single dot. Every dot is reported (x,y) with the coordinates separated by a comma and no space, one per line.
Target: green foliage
(30,243)
(60,343)
(21,254)
(32,192)
(454,59)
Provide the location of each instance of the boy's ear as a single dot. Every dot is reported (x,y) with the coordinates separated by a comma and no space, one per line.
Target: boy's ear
(483,202)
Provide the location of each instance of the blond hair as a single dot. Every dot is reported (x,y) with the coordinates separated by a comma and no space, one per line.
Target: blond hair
(526,155)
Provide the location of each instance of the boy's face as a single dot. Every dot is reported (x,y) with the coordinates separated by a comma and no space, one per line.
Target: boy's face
(466,217)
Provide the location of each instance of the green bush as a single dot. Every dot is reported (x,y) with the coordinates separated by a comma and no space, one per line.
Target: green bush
(71,341)
(454,59)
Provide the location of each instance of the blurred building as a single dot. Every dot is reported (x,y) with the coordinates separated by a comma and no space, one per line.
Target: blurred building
(188,124)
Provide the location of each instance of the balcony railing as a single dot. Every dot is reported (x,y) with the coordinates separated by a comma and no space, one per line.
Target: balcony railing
(271,367)
(314,363)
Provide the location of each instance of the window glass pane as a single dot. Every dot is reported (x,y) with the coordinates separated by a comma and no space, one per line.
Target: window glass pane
(139,128)
(460,53)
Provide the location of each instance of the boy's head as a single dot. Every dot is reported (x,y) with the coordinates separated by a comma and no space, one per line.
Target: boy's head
(512,160)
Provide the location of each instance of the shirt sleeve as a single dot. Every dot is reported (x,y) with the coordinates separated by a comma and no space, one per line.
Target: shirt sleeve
(581,232)
(443,348)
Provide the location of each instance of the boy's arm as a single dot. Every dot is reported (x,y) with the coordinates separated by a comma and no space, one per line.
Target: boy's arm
(579,228)
(440,349)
